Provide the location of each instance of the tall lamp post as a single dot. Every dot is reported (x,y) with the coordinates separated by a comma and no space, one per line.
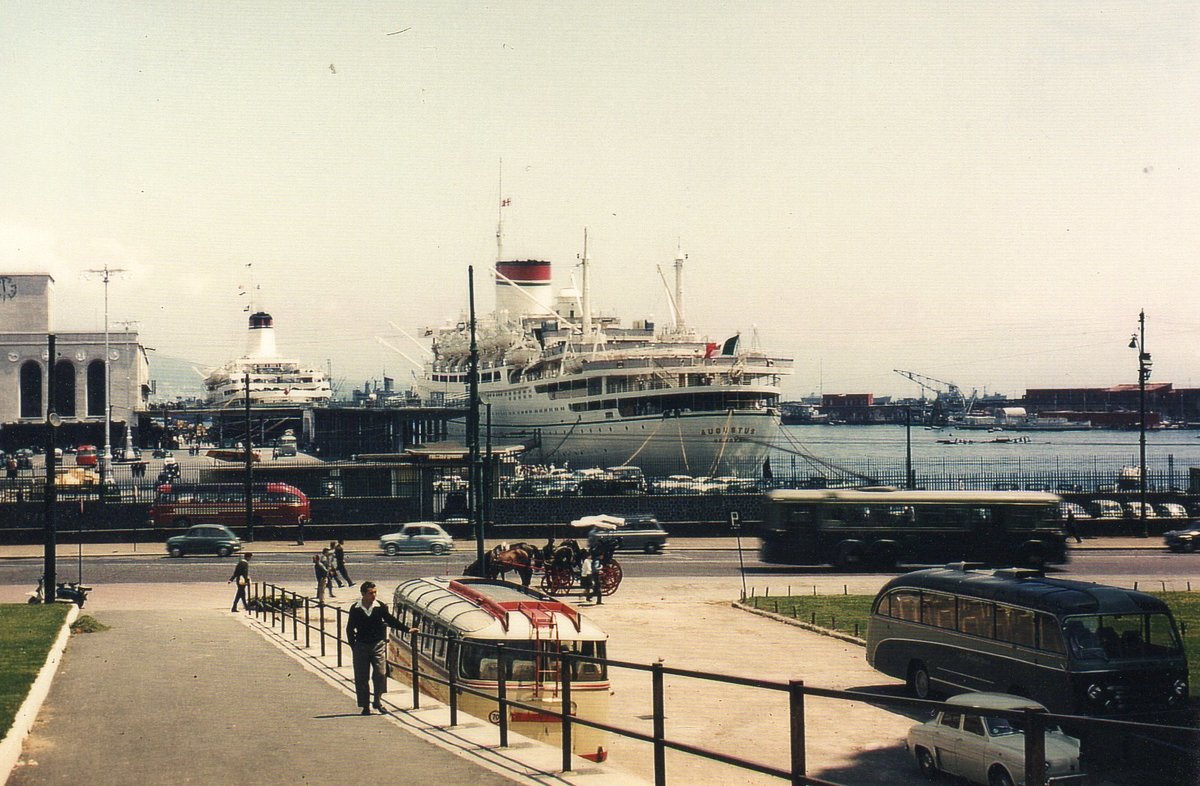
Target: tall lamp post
(106,273)
(1138,342)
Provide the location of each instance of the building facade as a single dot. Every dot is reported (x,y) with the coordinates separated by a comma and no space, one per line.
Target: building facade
(78,396)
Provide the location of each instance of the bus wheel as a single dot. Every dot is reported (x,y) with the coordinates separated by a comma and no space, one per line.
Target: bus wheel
(926,763)
(999,777)
(847,556)
(1034,558)
(918,680)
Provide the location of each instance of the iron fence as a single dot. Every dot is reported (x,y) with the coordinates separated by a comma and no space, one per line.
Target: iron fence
(283,605)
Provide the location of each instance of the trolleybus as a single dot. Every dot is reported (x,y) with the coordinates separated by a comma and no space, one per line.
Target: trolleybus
(1076,647)
(183,504)
(879,527)
(466,618)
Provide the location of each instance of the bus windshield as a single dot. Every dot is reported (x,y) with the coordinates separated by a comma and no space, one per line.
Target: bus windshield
(1121,636)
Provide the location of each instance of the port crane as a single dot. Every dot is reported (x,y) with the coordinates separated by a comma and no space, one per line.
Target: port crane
(948,398)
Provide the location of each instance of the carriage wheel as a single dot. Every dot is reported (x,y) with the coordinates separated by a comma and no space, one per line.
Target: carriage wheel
(556,581)
(610,577)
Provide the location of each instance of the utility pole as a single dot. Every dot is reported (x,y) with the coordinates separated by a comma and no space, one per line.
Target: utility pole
(249,457)
(910,481)
(1138,342)
(50,551)
(106,274)
(473,423)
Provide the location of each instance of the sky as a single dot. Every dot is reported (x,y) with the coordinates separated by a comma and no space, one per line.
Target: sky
(983,193)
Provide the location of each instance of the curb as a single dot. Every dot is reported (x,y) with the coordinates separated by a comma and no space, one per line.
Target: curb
(14,740)
(833,634)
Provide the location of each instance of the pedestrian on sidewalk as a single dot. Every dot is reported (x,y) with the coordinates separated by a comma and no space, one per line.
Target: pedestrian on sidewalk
(300,531)
(241,574)
(339,559)
(322,577)
(1069,526)
(366,630)
(592,558)
(585,577)
(330,571)
(331,563)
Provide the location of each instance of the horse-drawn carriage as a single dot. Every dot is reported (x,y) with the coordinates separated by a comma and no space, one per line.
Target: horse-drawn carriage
(560,565)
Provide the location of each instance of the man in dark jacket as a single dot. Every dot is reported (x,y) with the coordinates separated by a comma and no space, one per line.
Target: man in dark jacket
(241,574)
(366,630)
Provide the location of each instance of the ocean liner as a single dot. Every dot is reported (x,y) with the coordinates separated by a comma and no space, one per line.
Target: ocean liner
(274,381)
(582,390)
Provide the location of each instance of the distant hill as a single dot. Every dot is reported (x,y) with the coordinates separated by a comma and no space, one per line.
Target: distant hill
(172,378)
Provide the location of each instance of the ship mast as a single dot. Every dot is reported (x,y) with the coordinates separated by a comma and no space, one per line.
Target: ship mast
(500,202)
(586,299)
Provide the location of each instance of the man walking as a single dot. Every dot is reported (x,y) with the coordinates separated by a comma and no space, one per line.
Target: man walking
(339,559)
(331,565)
(366,630)
(241,574)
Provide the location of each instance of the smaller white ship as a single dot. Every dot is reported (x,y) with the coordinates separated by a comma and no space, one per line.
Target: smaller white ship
(273,381)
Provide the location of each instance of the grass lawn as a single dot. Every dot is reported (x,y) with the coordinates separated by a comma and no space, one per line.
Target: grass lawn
(26,633)
(849,614)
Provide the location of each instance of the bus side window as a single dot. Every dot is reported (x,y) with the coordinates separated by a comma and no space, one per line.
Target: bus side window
(938,610)
(976,617)
(800,517)
(905,605)
(1049,634)
(1015,626)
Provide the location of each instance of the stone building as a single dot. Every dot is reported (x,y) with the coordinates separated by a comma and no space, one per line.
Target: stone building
(26,320)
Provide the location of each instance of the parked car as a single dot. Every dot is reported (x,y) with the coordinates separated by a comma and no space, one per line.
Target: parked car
(636,533)
(1186,539)
(985,748)
(24,458)
(1172,510)
(417,537)
(674,484)
(1077,511)
(1107,509)
(1133,510)
(204,539)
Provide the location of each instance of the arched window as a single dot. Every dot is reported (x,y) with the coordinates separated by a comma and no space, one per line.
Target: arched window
(95,389)
(64,388)
(31,389)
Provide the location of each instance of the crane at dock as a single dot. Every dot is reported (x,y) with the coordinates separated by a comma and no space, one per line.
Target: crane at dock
(949,400)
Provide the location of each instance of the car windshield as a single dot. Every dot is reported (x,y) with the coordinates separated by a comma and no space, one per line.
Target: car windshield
(1122,636)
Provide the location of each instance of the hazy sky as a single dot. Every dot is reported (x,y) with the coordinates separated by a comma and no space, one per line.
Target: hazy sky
(986,193)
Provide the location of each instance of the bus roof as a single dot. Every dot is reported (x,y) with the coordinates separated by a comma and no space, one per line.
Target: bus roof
(167,488)
(1022,588)
(484,609)
(886,495)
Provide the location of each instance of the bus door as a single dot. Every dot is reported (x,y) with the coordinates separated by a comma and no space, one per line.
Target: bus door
(803,525)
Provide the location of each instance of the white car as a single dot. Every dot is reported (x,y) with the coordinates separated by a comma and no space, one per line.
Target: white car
(1172,510)
(985,748)
(417,537)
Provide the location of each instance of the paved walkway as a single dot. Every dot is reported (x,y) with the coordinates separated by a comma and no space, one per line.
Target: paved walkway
(191,696)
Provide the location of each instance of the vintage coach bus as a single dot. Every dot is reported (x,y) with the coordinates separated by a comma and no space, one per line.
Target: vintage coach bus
(1076,647)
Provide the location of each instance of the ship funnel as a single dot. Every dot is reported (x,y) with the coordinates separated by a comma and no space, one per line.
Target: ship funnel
(523,288)
(260,343)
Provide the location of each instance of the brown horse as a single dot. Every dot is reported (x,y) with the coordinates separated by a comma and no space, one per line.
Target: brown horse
(521,557)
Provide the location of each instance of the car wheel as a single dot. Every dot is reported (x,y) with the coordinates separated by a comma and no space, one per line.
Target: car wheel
(650,548)
(438,549)
(175,551)
(1189,546)
(392,549)
(999,777)
(224,551)
(918,680)
(926,763)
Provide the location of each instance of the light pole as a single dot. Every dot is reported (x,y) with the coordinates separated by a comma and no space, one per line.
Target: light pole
(1138,342)
(106,273)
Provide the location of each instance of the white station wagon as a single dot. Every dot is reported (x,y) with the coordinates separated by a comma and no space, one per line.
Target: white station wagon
(968,742)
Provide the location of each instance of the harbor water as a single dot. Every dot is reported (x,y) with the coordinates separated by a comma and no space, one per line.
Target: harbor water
(946,458)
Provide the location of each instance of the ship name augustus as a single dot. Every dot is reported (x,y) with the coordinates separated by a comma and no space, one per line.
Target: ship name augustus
(716,430)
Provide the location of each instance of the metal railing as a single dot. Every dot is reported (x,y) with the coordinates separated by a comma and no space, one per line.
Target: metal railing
(283,605)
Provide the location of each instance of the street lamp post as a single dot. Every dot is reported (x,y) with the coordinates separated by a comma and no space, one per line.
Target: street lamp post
(106,273)
(1138,342)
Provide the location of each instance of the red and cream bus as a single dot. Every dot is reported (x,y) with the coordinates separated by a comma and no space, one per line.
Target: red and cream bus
(184,504)
(464,619)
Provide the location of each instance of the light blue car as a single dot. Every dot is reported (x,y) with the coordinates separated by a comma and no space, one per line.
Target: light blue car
(418,537)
